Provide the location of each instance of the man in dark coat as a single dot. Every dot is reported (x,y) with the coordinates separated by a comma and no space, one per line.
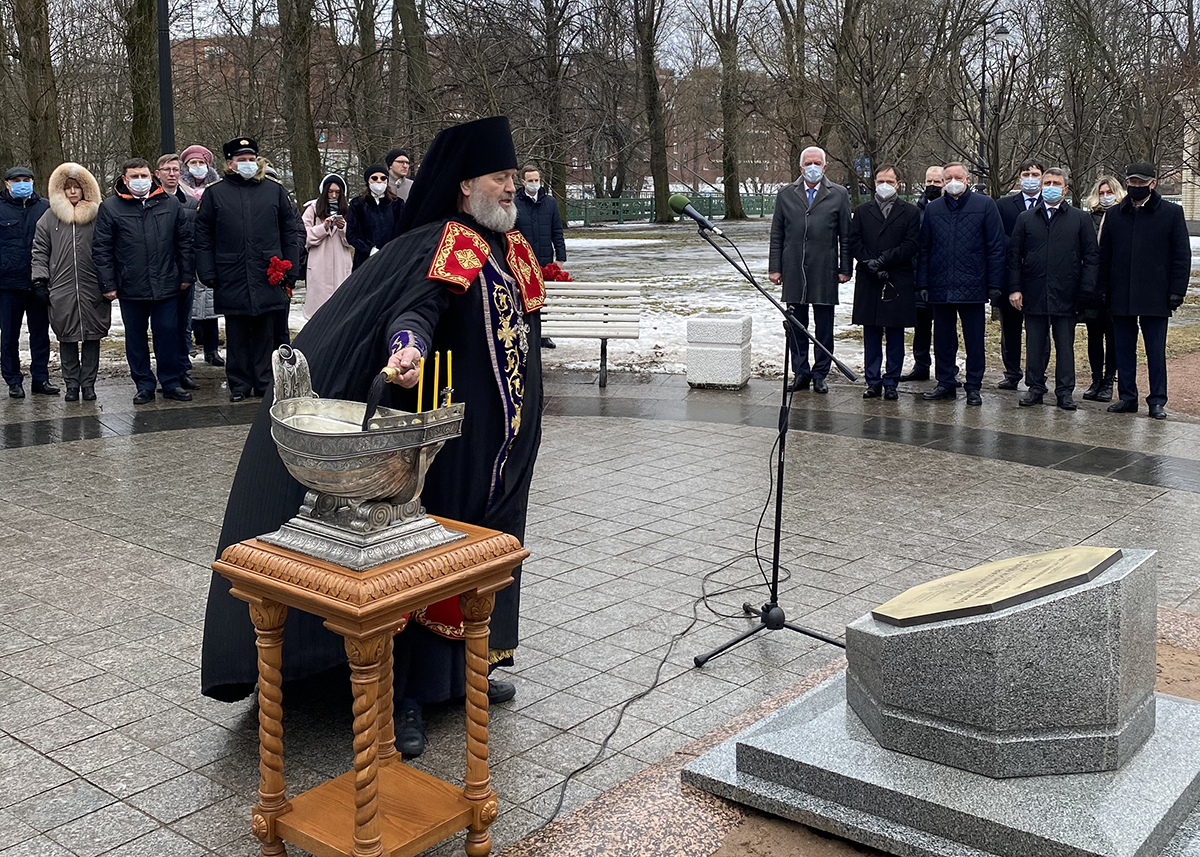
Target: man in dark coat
(419,296)
(960,267)
(169,173)
(1052,265)
(142,250)
(539,221)
(1145,263)
(922,344)
(884,236)
(244,220)
(20,209)
(1010,207)
(810,258)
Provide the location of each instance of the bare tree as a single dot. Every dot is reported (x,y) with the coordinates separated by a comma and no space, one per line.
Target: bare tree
(41,95)
(723,25)
(295,24)
(648,17)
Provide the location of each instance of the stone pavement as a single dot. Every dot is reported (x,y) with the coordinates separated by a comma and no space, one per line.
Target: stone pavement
(643,492)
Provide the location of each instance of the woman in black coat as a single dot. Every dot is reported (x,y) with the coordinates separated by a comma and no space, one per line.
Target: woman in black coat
(884,237)
(1102,356)
(373,215)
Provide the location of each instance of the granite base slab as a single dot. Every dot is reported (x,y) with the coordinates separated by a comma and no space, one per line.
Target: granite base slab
(814,762)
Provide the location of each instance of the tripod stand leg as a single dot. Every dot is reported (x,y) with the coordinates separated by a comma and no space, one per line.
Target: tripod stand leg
(701,660)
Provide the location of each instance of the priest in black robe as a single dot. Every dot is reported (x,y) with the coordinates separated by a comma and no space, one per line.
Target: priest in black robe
(458,278)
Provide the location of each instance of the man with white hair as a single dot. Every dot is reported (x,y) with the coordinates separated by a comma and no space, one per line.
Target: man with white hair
(810,258)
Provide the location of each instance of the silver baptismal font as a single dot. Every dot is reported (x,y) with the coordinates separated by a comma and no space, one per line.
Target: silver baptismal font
(363,506)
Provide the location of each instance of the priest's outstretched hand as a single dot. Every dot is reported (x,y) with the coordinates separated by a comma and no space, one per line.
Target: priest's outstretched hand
(408,361)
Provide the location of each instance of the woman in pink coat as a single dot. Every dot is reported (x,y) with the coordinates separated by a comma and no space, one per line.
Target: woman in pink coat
(330,256)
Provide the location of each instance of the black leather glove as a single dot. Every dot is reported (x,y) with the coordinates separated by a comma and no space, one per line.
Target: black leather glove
(922,298)
(882,275)
(41,290)
(1175,301)
(994,295)
(873,266)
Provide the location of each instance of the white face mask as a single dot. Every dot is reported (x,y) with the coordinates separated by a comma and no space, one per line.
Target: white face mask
(378,188)
(140,186)
(532,188)
(1031,185)
(247,169)
(955,187)
(198,172)
(1108,200)
(813,173)
(885,191)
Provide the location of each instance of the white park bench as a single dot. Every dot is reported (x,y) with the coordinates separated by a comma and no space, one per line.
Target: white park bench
(601,311)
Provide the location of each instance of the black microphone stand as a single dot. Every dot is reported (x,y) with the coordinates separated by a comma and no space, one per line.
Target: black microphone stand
(771,616)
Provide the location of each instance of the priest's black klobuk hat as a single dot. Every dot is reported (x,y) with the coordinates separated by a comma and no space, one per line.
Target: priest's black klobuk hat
(458,153)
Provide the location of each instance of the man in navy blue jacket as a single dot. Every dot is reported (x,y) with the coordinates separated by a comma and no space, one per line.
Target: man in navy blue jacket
(540,223)
(960,268)
(20,208)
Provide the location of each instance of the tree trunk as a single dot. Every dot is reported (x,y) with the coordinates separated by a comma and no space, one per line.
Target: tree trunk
(295,24)
(141,47)
(402,130)
(41,95)
(556,151)
(731,120)
(647,19)
(365,95)
(420,80)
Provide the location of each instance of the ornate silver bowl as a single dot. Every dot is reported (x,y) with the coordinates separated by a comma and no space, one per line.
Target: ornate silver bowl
(363,506)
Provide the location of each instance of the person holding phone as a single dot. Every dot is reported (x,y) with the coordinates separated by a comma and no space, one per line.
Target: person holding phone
(330,257)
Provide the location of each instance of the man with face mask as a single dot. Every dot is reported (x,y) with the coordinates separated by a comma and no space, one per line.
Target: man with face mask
(1052,262)
(142,250)
(1145,263)
(961,267)
(539,220)
(810,258)
(243,221)
(20,209)
(1011,206)
(459,278)
(923,331)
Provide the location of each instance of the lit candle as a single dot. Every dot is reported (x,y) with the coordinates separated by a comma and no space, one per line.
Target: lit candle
(450,375)
(437,376)
(420,384)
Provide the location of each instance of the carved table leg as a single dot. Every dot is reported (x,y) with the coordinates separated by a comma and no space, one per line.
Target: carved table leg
(477,611)
(386,724)
(365,656)
(268,618)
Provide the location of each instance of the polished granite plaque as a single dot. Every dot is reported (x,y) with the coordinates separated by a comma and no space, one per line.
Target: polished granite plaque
(996,585)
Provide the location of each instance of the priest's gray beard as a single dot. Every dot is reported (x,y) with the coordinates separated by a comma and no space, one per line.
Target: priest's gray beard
(490,214)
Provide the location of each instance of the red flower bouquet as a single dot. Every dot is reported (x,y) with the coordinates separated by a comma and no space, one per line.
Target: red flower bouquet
(553,273)
(276,269)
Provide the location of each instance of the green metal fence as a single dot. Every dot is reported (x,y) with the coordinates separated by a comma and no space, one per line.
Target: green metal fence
(635,210)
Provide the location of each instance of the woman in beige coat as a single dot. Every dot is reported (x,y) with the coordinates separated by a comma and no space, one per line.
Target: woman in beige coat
(62,267)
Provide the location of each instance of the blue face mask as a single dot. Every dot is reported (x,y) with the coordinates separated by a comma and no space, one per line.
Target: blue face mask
(813,173)
(1031,185)
(247,169)
(22,190)
(1052,194)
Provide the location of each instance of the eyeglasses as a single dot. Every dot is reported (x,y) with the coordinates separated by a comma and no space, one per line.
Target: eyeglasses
(169,170)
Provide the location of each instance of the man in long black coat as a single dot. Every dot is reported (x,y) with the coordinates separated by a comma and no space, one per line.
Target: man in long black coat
(1011,207)
(458,278)
(885,235)
(810,257)
(1145,263)
(243,221)
(1052,265)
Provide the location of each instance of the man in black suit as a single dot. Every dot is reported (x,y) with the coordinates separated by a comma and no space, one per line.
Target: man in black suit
(923,331)
(810,258)
(1052,264)
(1145,263)
(1010,208)
(884,236)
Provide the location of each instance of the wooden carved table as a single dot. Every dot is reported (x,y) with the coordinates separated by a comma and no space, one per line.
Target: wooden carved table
(382,807)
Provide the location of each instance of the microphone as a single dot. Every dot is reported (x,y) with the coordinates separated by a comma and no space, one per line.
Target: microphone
(680,204)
